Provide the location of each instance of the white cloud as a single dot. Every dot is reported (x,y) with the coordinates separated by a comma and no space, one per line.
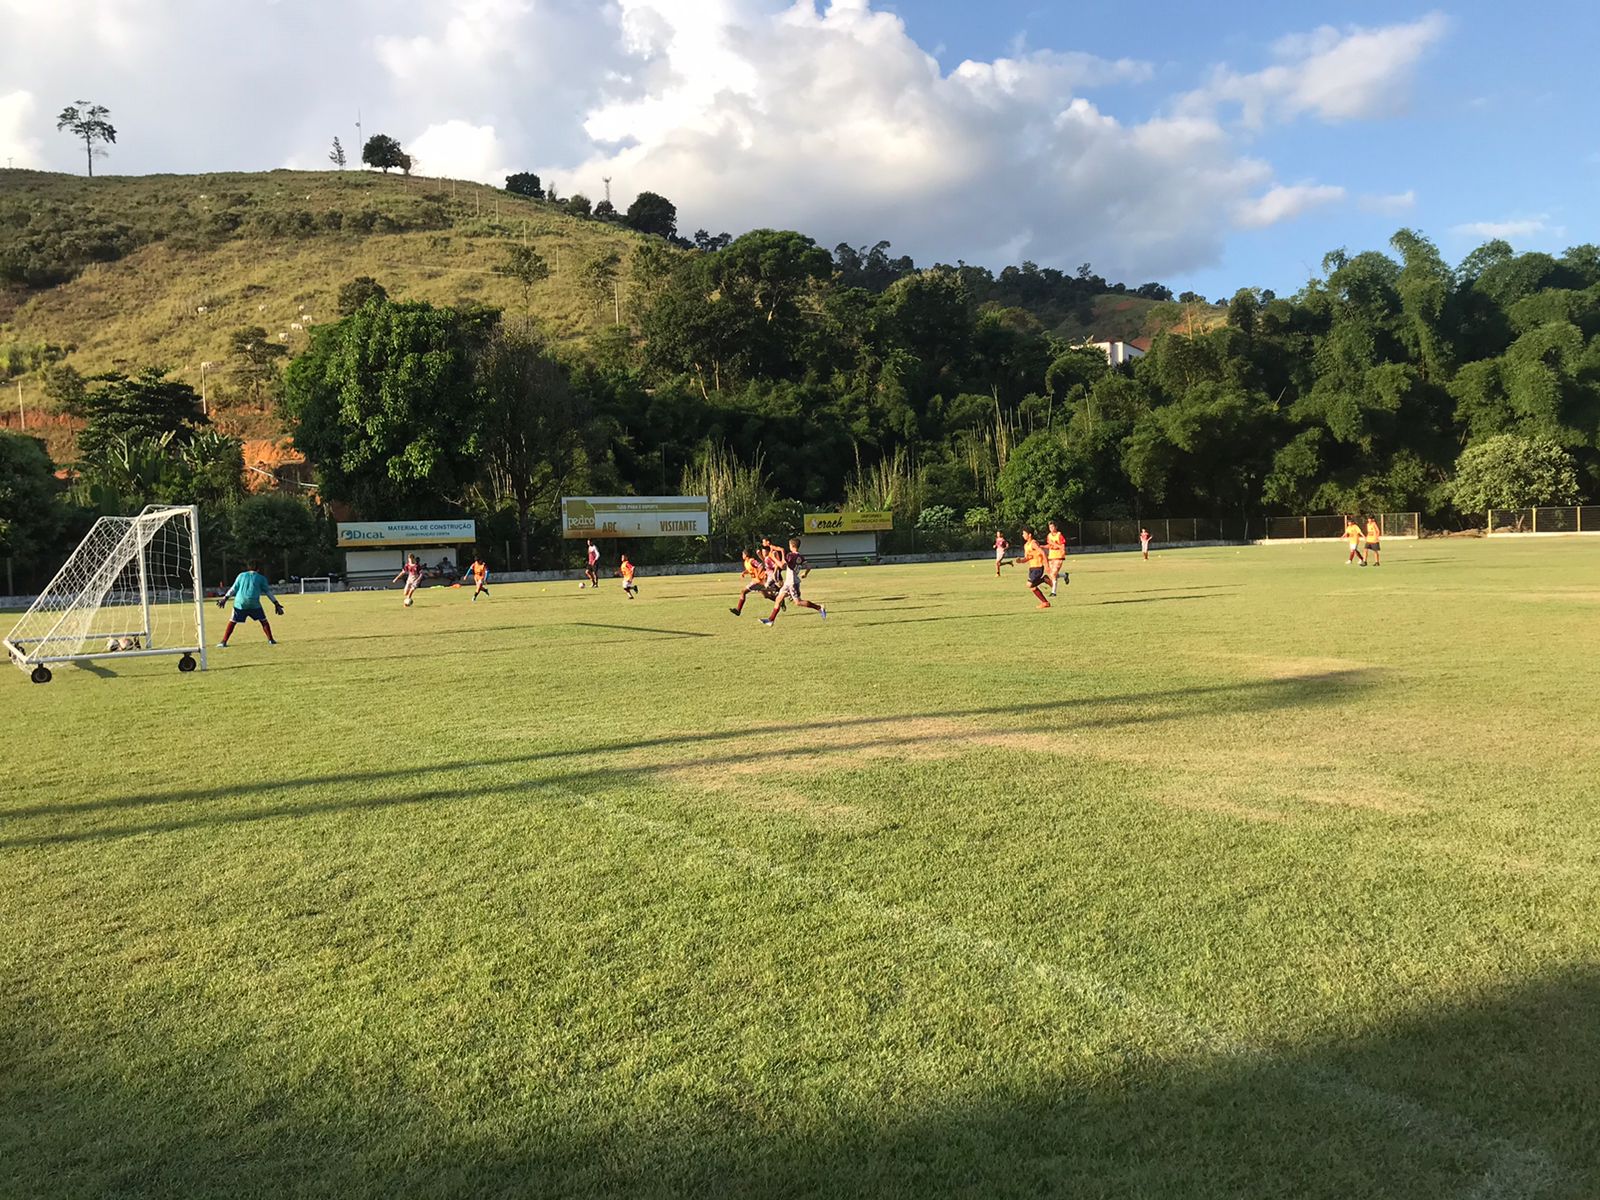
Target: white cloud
(1356,74)
(1516,227)
(825,117)
(1282,203)
(460,150)
(836,122)
(17,119)
(1394,202)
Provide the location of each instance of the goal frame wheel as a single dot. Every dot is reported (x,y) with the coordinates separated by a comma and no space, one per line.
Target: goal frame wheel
(41,674)
(187,663)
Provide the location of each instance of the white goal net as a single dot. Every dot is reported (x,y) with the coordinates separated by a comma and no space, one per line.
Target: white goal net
(316,583)
(131,589)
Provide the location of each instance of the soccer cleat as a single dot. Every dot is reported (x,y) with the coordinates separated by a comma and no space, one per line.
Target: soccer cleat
(736,612)
(272,641)
(766,620)
(1044,604)
(823,613)
(222,645)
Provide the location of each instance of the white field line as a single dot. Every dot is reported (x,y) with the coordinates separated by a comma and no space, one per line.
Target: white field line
(1515,1172)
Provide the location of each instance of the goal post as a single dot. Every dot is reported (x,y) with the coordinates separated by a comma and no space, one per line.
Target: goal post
(318,583)
(132,589)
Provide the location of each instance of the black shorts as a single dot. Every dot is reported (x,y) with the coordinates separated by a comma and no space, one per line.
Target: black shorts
(1373,546)
(253,613)
(1035,576)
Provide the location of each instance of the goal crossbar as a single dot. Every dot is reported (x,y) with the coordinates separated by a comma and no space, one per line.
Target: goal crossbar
(130,578)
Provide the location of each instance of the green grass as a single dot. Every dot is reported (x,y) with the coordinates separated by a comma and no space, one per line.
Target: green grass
(1240,873)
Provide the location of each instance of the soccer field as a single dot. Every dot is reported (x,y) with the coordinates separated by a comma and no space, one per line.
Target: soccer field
(1239,873)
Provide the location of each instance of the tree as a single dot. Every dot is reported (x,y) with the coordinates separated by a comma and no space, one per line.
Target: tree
(1037,484)
(256,359)
(599,279)
(605,211)
(271,529)
(88,121)
(65,389)
(650,213)
(30,512)
(528,267)
(578,205)
(336,155)
(740,500)
(533,426)
(356,293)
(383,152)
(145,406)
(385,404)
(525,183)
(1513,472)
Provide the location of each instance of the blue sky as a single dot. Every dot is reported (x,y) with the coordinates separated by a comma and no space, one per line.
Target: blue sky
(1500,126)
(1208,146)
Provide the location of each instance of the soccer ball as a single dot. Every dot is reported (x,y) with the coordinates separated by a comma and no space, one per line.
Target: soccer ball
(407,601)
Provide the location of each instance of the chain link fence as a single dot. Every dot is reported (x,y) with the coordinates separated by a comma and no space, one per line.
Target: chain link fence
(1572,518)
(1330,527)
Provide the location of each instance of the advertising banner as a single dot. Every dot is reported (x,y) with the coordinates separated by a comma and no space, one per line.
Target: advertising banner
(406,533)
(849,522)
(635,516)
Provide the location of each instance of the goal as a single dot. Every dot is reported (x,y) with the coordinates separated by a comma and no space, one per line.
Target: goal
(130,590)
(316,583)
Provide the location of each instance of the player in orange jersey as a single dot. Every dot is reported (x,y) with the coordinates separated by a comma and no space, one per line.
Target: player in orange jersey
(1056,556)
(626,571)
(1353,535)
(773,557)
(754,578)
(1033,557)
(1374,535)
(479,570)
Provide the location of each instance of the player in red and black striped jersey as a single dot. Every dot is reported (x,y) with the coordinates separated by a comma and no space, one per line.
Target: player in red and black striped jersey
(794,570)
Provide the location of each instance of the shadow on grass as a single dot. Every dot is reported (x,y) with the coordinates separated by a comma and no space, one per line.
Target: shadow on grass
(1193,587)
(1024,606)
(595,762)
(1167,599)
(1496,1095)
(687,633)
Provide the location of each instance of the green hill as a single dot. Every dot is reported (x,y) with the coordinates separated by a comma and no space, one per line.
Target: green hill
(1123,318)
(124,272)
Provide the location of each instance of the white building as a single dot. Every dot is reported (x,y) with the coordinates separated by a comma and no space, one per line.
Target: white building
(1118,353)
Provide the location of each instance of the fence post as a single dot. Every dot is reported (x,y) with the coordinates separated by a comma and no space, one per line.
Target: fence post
(1578,512)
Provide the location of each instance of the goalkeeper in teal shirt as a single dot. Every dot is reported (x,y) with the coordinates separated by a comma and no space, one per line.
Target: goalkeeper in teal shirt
(246,594)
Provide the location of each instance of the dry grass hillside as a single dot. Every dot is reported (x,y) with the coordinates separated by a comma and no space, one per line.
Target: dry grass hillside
(184,261)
